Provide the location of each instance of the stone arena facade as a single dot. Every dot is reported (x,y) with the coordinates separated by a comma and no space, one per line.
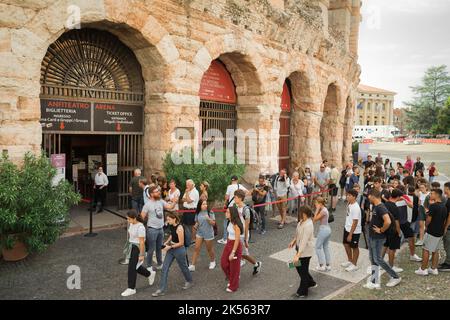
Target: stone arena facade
(261,43)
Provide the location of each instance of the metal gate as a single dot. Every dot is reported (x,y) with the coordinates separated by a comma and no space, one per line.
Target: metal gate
(130,157)
(285,133)
(217,115)
(51,143)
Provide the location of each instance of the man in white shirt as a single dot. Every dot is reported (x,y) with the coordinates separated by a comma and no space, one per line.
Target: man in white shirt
(352,231)
(100,184)
(229,202)
(190,200)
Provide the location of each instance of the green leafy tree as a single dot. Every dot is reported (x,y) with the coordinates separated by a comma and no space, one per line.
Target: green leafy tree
(30,205)
(217,175)
(430,98)
(443,120)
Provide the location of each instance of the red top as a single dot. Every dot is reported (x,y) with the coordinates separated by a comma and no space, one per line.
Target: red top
(431,171)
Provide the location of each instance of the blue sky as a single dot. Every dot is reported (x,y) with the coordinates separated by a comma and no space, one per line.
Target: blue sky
(399,40)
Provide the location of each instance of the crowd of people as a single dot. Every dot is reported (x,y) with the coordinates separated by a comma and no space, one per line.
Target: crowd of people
(384,205)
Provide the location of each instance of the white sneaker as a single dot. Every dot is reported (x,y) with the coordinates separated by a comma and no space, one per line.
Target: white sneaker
(346,264)
(191,268)
(321,268)
(128,292)
(415,257)
(369,270)
(393,282)
(419,243)
(397,269)
(421,272)
(151,278)
(212,265)
(351,268)
(243,263)
(370,285)
(432,271)
(221,241)
(328,268)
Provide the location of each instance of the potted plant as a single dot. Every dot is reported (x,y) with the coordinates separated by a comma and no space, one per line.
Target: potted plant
(33,211)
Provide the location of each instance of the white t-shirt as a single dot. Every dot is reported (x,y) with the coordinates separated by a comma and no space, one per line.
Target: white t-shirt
(296,188)
(353,213)
(194,196)
(101,179)
(230,192)
(172,196)
(136,231)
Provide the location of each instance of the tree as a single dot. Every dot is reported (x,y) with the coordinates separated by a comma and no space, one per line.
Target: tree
(443,120)
(430,98)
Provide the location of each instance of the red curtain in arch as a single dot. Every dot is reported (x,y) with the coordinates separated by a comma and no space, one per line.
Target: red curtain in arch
(285,128)
(217,85)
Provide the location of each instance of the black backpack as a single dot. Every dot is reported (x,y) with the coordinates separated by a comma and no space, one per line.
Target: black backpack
(392,230)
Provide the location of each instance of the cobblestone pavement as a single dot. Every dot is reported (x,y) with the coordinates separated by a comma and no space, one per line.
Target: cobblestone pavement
(44,276)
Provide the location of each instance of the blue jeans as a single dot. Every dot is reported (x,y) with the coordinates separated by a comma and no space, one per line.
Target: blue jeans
(155,239)
(322,242)
(225,233)
(178,254)
(375,250)
(137,205)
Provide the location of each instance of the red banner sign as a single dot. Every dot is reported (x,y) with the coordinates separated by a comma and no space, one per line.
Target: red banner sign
(286,99)
(217,84)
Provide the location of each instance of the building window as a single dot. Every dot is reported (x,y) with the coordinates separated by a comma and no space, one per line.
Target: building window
(368,122)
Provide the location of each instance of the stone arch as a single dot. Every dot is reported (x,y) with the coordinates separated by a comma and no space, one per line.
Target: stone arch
(138,30)
(330,125)
(255,105)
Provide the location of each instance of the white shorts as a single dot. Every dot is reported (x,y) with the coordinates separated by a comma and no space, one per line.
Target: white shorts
(431,243)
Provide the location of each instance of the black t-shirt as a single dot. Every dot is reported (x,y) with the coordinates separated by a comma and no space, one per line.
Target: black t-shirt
(394,210)
(378,213)
(384,194)
(438,213)
(447,204)
(173,233)
(368,164)
(261,199)
(390,179)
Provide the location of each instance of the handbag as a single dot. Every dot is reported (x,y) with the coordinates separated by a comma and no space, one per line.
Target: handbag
(330,218)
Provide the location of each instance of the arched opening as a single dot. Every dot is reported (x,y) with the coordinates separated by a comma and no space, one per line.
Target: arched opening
(92,109)
(329,125)
(284,156)
(217,104)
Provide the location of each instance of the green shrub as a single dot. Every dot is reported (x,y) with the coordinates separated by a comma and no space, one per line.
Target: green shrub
(217,175)
(30,205)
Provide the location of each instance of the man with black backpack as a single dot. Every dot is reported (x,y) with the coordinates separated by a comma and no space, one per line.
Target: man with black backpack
(259,196)
(245,213)
(382,223)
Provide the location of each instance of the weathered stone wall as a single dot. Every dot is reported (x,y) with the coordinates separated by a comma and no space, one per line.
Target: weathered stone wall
(261,42)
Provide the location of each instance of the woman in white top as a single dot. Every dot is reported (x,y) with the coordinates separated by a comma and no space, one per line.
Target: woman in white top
(174,194)
(304,247)
(423,193)
(232,253)
(295,190)
(137,242)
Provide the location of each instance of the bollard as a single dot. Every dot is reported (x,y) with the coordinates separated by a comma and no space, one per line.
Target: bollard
(90,234)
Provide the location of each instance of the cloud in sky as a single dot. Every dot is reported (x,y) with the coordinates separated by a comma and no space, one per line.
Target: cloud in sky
(400,39)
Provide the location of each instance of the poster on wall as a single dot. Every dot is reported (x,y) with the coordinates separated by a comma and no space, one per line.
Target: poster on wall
(111,164)
(58,161)
(93,162)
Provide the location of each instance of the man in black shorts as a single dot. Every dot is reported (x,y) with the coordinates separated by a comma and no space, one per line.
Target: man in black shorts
(393,240)
(352,232)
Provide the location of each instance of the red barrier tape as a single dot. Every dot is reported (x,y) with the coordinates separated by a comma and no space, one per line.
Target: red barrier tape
(254,206)
(264,204)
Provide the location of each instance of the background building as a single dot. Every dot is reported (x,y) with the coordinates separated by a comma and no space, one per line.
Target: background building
(113,82)
(401,119)
(375,107)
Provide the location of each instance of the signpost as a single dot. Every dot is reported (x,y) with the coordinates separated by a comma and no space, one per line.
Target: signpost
(58,161)
(60,116)
(86,117)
